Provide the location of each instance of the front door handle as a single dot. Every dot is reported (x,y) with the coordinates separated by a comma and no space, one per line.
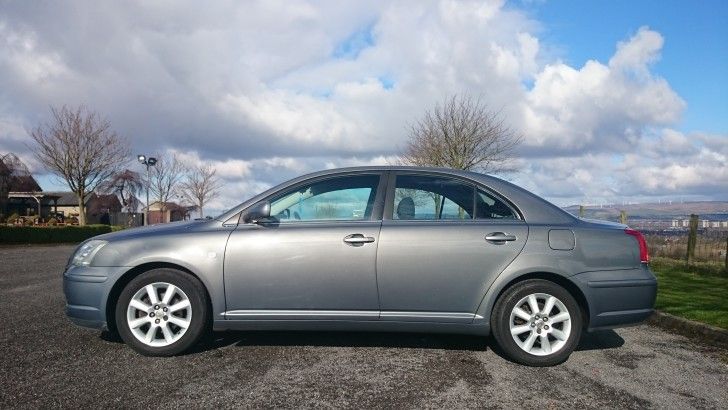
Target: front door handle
(499,237)
(357,239)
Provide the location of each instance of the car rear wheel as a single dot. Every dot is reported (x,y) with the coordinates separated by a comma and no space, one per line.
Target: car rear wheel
(537,323)
(162,312)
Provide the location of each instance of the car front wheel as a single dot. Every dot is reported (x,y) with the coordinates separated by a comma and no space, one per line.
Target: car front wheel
(537,323)
(162,312)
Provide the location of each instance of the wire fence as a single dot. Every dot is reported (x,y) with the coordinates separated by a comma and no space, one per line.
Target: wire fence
(709,247)
(668,235)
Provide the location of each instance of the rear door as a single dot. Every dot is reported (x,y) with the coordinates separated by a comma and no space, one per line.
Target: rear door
(442,244)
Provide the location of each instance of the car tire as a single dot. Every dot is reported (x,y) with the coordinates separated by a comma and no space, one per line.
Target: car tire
(537,337)
(157,324)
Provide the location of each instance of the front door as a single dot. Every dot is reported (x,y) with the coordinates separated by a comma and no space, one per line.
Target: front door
(443,245)
(314,259)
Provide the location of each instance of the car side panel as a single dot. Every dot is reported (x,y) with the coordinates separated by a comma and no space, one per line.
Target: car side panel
(438,266)
(86,290)
(601,252)
(199,248)
(301,266)
(618,298)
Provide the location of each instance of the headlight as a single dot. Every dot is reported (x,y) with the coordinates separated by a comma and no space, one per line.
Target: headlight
(86,252)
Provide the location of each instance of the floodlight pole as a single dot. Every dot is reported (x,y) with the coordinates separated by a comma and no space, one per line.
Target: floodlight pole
(148,162)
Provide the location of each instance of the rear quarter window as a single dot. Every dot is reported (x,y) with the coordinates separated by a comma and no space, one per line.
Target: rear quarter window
(487,206)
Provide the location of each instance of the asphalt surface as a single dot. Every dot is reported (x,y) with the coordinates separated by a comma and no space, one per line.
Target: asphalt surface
(45,361)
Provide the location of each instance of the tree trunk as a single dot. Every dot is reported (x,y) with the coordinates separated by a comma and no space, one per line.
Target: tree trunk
(202,215)
(81,209)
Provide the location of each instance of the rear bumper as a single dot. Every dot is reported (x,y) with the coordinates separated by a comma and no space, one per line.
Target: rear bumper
(618,298)
(86,290)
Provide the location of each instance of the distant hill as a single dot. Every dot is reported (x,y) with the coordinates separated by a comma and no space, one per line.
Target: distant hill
(714,210)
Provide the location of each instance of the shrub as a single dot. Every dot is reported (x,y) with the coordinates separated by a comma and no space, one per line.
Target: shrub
(61,234)
(13,217)
(52,221)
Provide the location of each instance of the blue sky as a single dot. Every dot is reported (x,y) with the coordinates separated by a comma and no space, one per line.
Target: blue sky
(694,59)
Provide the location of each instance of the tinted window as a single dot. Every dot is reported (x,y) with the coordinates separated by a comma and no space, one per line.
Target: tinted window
(489,207)
(420,197)
(349,198)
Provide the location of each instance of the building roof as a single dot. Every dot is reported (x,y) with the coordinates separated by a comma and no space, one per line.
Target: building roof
(4,170)
(18,177)
(23,183)
(156,205)
(67,198)
(96,202)
(172,207)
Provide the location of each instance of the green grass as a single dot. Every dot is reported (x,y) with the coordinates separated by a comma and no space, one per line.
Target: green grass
(697,292)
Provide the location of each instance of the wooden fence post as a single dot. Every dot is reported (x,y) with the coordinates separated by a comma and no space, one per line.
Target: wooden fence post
(581,211)
(692,237)
(623,217)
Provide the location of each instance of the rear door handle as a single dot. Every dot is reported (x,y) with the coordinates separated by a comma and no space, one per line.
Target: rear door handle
(357,239)
(499,237)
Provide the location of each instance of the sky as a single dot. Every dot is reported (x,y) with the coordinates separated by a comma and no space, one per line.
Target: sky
(617,101)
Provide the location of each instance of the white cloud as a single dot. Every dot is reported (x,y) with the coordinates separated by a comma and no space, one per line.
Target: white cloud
(638,52)
(667,164)
(600,107)
(269,90)
(21,53)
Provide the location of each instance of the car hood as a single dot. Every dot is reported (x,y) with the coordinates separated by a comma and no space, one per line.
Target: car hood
(152,230)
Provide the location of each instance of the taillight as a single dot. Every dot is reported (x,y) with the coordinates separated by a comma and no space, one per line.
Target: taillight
(644,254)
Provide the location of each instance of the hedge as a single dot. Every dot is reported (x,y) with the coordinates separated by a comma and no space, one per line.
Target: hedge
(50,234)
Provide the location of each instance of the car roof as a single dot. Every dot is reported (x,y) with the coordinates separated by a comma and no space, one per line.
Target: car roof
(379,168)
(533,208)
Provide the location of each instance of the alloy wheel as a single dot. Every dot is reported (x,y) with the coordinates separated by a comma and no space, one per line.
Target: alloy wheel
(159,314)
(540,324)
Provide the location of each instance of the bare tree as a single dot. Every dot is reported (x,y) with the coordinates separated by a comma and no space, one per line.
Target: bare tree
(463,134)
(79,146)
(165,178)
(201,186)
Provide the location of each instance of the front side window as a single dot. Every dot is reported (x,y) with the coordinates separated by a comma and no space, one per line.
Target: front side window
(348,198)
(421,197)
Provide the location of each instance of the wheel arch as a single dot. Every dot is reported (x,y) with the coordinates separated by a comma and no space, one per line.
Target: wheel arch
(560,280)
(132,273)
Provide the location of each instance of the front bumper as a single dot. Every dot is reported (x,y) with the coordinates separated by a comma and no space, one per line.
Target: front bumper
(87,289)
(618,298)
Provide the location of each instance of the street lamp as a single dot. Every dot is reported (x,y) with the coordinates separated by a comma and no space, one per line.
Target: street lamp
(149,162)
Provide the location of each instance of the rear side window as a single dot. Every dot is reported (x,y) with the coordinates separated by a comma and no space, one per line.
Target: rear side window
(421,197)
(427,197)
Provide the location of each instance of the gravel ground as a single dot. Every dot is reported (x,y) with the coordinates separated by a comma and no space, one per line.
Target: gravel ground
(48,362)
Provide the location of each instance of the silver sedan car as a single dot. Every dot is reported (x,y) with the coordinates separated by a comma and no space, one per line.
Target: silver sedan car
(369,249)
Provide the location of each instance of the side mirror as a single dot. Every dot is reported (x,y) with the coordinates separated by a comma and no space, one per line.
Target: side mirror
(257,213)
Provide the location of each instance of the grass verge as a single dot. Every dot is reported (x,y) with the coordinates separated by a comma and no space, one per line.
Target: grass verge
(697,292)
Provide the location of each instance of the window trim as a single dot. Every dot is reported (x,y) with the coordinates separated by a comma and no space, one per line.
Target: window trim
(377,206)
(388,211)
